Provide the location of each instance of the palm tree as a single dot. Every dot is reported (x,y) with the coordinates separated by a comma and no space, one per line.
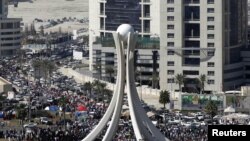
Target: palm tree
(211,108)
(99,87)
(21,111)
(50,68)
(108,94)
(164,98)
(88,86)
(62,103)
(179,79)
(98,68)
(202,79)
(37,65)
(21,56)
(109,70)
(155,80)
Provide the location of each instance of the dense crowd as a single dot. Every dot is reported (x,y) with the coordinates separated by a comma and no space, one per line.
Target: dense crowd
(78,129)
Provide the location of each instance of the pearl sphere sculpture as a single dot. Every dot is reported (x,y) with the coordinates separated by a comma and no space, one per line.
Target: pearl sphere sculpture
(124,30)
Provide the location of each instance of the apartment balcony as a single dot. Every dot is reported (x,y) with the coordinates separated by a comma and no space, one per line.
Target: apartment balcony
(146,16)
(146,30)
(193,52)
(143,69)
(102,1)
(192,37)
(144,2)
(144,61)
(102,14)
(192,20)
(191,2)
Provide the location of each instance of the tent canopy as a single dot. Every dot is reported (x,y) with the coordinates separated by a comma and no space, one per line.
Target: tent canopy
(81,108)
(236,116)
(150,114)
(125,107)
(52,108)
(229,110)
(1,114)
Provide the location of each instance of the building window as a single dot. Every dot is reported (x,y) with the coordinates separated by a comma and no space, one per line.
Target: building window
(210,64)
(170,26)
(210,36)
(210,44)
(170,18)
(189,72)
(210,73)
(170,63)
(170,44)
(210,18)
(170,80)
(210,27)
(170,1)
(210,1)
(171,72)
(210,81)
(210,53)
(170,52)
(210,10)
(170,35)
(170,9)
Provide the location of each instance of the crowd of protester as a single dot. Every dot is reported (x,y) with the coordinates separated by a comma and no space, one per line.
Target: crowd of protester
(78,129)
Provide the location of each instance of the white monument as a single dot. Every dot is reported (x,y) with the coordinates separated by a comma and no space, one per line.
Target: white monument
(143,127)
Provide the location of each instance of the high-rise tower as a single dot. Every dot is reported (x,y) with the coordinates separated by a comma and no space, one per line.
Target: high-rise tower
(203,37)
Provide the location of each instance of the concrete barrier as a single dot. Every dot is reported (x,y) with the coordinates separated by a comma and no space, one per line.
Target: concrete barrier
(81,78)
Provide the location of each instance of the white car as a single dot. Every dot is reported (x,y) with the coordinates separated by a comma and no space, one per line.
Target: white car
(200,117)
(45,120)
(203,123)
(186,124)
(30,125)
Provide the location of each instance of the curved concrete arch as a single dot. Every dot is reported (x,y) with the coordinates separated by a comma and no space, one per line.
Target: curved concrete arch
(134,117)
(118,107)
(145,130)
(143,127)
(103,122)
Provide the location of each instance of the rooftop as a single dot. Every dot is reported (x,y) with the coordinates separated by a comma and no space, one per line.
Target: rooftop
(142,42)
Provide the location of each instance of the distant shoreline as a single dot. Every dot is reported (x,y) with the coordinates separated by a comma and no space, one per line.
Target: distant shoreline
(48,9)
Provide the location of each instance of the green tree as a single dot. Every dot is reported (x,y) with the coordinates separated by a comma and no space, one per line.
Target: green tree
(179,79)
(62,103)
(155,80)
(21,111)
(88,86)
(98,68)
(202,79)
(164,98)
(99,87)
(211,108)
(110,71)
(42,30)
(21,57)
(107,95)
(48,67)
(37,65)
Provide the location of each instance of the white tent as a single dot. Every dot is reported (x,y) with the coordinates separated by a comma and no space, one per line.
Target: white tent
(125,107)
(150,114)
(237,116)
(229,110)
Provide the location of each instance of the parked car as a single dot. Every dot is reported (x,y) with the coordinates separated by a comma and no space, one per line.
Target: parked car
(46,120)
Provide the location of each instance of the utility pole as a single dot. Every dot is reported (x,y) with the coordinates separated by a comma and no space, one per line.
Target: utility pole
(29,108)
(141,82)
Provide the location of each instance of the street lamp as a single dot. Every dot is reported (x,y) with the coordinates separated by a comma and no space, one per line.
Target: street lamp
(140,70)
